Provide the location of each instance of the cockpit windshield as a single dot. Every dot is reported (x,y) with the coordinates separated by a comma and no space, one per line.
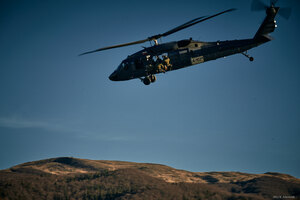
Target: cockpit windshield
(120,66)
(123,65)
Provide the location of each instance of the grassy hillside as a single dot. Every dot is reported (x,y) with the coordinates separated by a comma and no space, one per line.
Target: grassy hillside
(71,178)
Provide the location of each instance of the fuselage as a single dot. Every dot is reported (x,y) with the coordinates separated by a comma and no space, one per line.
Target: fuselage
(182,54)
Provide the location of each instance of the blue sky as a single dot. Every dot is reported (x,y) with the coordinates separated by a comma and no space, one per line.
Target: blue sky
(223,115)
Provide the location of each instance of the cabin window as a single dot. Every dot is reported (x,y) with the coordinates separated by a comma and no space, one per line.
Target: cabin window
(196,45)
(138,64)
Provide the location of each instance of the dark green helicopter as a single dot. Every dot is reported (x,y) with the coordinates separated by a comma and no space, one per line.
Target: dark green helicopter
(164,57)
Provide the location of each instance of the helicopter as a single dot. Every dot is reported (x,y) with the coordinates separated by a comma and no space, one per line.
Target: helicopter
(165,57)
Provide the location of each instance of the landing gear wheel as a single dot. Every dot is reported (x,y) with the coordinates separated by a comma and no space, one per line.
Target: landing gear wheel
(152,78)
(146,80)
(250,57)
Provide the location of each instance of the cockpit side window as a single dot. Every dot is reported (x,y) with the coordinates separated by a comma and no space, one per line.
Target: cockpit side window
(125,65)
(120,67)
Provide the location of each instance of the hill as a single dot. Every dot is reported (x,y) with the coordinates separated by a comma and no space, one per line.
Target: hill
(73,178)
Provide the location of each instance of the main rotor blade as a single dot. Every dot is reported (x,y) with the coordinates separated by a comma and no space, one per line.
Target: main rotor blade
(193,22)
(178,27)
(155,37)
(116,46)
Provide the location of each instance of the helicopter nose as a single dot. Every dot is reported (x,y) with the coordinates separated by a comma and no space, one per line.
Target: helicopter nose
(113,76)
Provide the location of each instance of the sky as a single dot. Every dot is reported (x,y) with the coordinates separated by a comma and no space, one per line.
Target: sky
(224,115)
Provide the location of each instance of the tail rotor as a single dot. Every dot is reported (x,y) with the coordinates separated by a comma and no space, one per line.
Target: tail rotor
(258,5)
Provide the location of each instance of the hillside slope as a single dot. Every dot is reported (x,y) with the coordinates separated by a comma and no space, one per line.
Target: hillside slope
(72,178)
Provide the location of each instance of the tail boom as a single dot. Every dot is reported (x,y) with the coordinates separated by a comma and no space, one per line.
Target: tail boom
(268,25)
